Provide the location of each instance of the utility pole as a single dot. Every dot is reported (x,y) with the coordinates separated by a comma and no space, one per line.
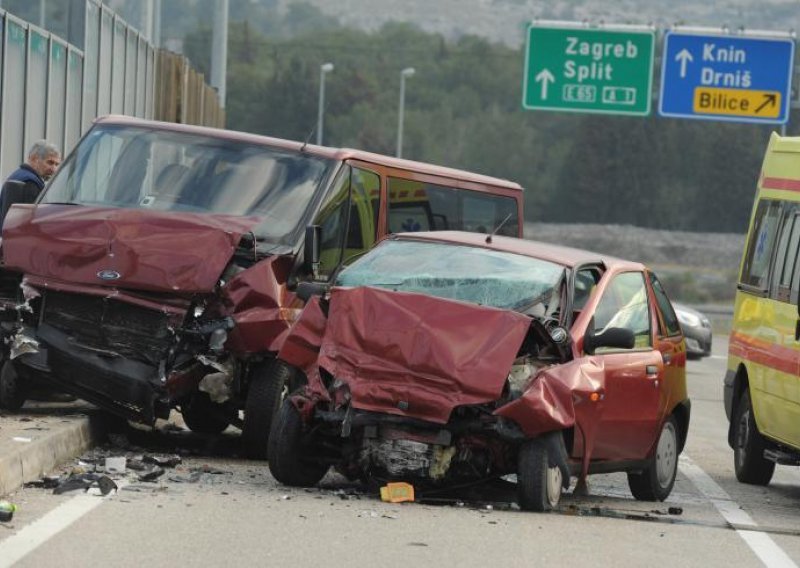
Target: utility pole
(146,17)
(219,49)
(156,39)
(324,69)
(405,73)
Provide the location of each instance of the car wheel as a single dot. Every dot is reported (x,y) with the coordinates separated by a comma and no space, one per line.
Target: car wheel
(656,481)
(538,483)
(12,389)
(748,447)
(288,453)
(270,382)
(204,416)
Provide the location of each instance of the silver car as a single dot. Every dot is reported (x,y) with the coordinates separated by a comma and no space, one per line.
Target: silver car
(697,330)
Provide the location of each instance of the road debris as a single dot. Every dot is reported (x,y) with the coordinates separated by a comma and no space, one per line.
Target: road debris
(6,511)
(397,492)
(84,481)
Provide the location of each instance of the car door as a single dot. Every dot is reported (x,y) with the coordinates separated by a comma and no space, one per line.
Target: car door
(671,344)
(634,377)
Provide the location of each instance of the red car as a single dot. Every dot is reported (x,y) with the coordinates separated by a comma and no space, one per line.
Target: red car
(451,357)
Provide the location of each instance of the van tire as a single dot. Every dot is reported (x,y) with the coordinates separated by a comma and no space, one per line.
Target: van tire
(749,445)
(290,460)
(270,381)
(204,416)
(12,388)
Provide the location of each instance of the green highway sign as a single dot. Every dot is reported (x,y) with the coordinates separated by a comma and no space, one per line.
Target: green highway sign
(578,69)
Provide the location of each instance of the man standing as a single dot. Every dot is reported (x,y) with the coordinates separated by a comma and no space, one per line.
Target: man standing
(43,161)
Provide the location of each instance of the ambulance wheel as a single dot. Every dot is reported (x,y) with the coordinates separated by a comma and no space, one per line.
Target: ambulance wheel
(749,445)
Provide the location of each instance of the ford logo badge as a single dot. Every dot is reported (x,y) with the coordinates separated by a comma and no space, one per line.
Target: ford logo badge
(108,275)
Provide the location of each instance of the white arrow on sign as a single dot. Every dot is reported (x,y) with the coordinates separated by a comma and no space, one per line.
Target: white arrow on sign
(684,56)
(545,78)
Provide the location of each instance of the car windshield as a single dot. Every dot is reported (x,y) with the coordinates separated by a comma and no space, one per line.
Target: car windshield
(470,274)
(148,168)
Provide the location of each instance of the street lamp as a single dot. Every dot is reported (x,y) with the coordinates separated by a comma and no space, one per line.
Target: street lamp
(407,72)
(324,69)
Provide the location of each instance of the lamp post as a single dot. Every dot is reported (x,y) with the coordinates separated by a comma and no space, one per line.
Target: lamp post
(407,72)
(324,69)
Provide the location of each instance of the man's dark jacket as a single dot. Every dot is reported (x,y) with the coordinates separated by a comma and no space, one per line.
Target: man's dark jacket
(32,185)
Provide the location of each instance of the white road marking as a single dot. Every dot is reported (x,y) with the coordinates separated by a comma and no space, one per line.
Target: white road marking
(29,538)
(759,542)
(717,356)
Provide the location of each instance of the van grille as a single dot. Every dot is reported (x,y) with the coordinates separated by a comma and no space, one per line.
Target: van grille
(110,326)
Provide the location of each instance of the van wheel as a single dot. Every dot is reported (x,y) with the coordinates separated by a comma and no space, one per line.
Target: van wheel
(538,483)
(12,388)
(203,416)
(270,382)
(290,460)
(749,446)
(656,481)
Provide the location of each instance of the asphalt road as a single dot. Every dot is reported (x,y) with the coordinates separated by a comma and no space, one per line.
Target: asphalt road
(215,509)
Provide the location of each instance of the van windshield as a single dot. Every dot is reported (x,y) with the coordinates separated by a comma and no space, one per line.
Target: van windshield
(147,168)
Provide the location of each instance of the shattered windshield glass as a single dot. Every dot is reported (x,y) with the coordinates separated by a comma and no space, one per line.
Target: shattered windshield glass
(149,168)
(456,272)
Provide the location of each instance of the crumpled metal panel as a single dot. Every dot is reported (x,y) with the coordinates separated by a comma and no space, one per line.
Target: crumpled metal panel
(261,306)
(561,396)
(301,345)
(150,250)
(416,355)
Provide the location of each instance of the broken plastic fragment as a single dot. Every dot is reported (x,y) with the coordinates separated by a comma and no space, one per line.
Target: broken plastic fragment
(398,492)
(151,474)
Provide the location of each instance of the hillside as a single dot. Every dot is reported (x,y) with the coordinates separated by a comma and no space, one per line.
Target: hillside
(503,21)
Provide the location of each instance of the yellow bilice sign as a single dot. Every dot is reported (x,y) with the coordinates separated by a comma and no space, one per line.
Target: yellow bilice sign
(737,102)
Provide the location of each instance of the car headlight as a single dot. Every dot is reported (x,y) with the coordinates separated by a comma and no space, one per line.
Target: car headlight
(687,319)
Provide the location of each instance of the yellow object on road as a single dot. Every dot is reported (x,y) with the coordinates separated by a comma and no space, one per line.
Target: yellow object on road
(398,492)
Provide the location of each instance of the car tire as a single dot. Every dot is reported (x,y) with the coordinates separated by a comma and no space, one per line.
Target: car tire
(204,416)
(270,382)
(12,389)
(538,482)
(656,481)
(288,453)
(748,447)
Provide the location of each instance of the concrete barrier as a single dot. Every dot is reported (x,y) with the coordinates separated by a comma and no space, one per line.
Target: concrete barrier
(32,444)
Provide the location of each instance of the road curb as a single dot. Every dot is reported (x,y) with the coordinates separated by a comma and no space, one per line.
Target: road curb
(21,462)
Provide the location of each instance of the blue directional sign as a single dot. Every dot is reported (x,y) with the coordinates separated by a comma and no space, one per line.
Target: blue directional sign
(724,77)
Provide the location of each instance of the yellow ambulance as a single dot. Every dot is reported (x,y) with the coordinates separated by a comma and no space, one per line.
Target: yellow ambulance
(762,383)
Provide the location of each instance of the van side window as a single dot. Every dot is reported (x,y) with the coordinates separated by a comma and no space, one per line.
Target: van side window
(755,270)
(365,193)
(784,275)
(348,219)
(420,206)
(665,307)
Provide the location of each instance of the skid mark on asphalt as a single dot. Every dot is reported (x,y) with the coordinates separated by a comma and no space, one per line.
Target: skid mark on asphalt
(757,539)
(31,537)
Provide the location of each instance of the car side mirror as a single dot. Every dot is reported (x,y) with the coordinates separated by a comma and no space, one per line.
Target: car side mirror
(307,290)
(614,337)
(311,249)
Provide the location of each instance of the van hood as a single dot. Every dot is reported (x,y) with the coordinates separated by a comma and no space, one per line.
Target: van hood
(416,355)
(156,251)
